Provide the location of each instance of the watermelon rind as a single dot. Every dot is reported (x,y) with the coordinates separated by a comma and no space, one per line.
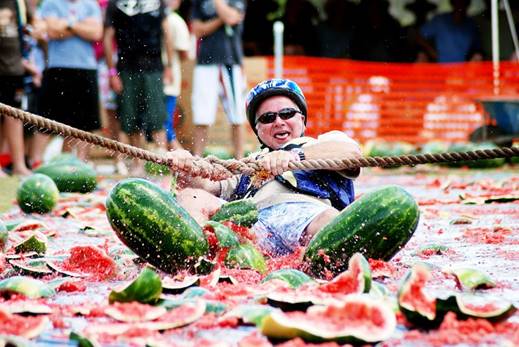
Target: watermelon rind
(376,225)
(293,277)
(30,287)
(123,312)
(418,306)
(471,279)
(28,327)
(37,194)
(152,224)
(468,305)
(246,256)
(35,242)
(146,289)
(320,323)
(359,273)
(83,341)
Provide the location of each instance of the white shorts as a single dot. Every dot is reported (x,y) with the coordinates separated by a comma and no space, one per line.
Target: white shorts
(211,82)
(280,227)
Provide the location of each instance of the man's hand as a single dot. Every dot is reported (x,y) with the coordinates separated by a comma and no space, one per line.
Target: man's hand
(228,14)
(168,75)
(116,84)
(276,162)
(57,28)
(181,159)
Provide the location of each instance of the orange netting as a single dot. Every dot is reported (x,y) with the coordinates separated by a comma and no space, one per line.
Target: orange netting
(406,102)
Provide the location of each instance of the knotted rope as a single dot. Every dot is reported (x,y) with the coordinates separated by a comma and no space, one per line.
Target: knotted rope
(217,169)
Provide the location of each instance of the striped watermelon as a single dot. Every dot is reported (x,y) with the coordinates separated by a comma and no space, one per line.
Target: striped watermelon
(37,193)
(152,224)
(377,225)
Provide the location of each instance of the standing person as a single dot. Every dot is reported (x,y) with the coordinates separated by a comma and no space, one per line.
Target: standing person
(70,93)
(13,17)
(180,41)
(294,205)
(454,35)
(107,96)
(139,28)
(218,26)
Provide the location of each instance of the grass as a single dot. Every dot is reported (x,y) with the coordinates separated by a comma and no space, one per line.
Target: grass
(8,186)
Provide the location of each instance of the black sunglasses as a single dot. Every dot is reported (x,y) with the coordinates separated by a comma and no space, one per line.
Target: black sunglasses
(269,117)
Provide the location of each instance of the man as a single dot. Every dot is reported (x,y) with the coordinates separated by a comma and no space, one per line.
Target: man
(294,205)
(139,28)
(13,17)
(181,41)
(455,36)
(218,25)
(70,92)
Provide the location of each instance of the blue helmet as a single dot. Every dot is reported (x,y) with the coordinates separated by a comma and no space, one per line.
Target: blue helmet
(270,88)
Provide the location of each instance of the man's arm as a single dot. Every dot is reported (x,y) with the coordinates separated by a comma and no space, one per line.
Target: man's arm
(228,14)
(182,161)
(202,29)
(328,146)
(89,29)
(168,45)
(115,80)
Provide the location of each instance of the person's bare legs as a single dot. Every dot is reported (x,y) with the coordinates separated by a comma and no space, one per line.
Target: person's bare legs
(200,139)
(237,140)
(200,204)
(13,132)
(81,148)
(159,139)
(137,140)
(114,132)
(37,147)
(174,145)
(318,223)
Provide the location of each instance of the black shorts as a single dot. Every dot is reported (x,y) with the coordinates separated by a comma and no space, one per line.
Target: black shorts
(71,96)
(11,88)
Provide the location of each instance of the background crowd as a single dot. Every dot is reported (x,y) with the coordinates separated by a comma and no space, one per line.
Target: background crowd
(80,61)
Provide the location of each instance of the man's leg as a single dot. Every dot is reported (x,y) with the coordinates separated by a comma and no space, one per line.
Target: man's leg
(13,131)
(200,204)
(200,139)
(318,223)
(233,85)
(237,140)
(204,102)
(137,139)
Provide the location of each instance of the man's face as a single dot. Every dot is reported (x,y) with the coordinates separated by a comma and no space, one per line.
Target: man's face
(280,131)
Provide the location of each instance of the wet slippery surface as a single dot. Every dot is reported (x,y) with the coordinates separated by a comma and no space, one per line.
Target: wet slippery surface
(479,235)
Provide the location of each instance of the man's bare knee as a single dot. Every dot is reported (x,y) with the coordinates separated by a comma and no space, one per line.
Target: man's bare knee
(318,223)
(198,203)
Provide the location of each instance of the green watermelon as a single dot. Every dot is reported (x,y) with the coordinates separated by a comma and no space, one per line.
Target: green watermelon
(152,224)
(37,193)
(70,176)
(241,212)
(65,158)
(376,225)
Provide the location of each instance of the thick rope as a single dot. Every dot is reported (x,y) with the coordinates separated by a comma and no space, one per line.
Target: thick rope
(217,169)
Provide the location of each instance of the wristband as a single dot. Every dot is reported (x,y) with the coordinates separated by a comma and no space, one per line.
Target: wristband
(298,151)
(112,72)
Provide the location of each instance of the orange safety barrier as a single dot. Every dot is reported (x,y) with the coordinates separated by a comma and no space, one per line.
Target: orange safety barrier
(413,102)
